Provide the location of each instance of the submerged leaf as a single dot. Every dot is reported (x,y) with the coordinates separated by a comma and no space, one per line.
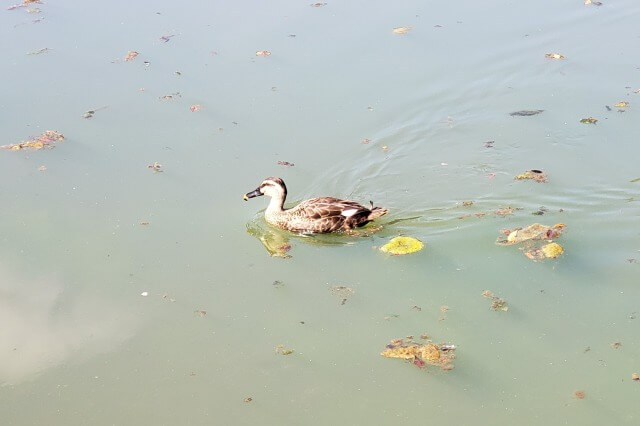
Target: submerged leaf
(402,245)
(526,112)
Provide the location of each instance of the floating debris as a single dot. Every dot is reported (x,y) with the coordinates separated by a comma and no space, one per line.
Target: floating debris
(39,51)
(579,394)
(318,4)
(42,168)
(541,210)
(497,304)
(589,120)
(489,144)
(531,237)
(156,167)
(247,399)
(635,377)
(595,3)
(443,313)
(281,350)
(342,292)
(551,250)
(616,345)
(91,112)
(285,163)
(402,30)
(402,245)
(533,174)
(166,38)
(170,96)
(263,53)
(199,312)
(554,56)
(535,231)
(195,108)
(421,353)
(526,112)
(131,55)
(44,141)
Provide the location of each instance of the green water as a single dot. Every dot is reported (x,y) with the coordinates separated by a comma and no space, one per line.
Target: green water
(82,239)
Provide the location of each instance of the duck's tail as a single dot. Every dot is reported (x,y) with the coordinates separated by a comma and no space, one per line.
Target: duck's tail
(376,212)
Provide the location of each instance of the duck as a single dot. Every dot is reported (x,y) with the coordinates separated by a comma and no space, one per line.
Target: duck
(313,216)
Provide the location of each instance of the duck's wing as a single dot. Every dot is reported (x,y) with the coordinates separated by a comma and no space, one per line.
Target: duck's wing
(330,207)
(328,214)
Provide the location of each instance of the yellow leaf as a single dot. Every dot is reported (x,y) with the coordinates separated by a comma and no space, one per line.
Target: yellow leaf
(554,56)
(552,250)
(402,245)
(622,104)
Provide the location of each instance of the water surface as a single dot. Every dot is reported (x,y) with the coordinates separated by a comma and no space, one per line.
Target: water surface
(82,240)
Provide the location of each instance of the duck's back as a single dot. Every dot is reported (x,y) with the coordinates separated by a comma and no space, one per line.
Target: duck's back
(325,214)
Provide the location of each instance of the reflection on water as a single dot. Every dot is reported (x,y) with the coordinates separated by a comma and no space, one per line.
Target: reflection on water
(43,325)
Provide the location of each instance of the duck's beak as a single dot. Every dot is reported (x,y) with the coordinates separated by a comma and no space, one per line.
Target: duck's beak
(254,193)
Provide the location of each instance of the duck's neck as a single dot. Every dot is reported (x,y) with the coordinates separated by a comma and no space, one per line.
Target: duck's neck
(275,206)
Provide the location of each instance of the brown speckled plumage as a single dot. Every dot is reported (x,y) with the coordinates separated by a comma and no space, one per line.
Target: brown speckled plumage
(316,215)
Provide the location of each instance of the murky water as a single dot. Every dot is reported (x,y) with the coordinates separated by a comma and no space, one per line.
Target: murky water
(88,228)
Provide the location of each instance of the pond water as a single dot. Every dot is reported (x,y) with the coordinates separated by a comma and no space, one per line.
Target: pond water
(140,295)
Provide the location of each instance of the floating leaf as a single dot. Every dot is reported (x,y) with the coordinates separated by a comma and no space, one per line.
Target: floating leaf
(263,53)
(635,377)
(421,354)
(552,250)
(622,104)
(635,180)
(595,3)
(533,174)
(554,56)
(402,245)
(318,4)
(402,30)
(195,108)
(589,120)
(131,55)
(280,349)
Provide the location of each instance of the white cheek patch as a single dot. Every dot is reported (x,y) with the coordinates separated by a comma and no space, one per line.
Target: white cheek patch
(349,213)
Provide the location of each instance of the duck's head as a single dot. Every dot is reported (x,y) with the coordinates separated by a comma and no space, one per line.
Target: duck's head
(272,187)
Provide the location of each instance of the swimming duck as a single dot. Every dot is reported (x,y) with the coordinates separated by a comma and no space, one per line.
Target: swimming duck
(316,215)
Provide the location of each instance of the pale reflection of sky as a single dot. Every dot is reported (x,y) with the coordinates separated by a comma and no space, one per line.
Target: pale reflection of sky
(44,325)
